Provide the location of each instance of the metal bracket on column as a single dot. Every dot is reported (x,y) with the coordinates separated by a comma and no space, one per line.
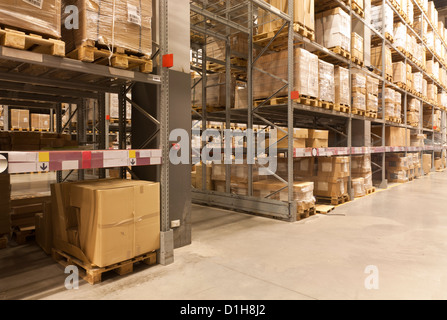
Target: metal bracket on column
(166,254)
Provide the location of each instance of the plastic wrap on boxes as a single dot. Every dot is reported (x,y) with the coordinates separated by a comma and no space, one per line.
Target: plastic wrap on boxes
(431,40)
(361,164)
(326,81)
(397,162)
(372,103)
(398,104)
(357,46)
(410,11)
(302,192)
(358,185)
(399,72)
(424,87)
(400,35)
(342,86)
(39,16)
(306,74)
(125,24)
(420,25)
(432,92)
(358,82)
(376,59)
(358,101)
(442,98)
(20,119)
(417,81)
(377,18)
(372,85)
(333,29)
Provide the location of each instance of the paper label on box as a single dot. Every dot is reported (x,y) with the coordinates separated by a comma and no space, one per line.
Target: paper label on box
(35,3)
(323,186)
(304,165)
(133,14)
(326,167)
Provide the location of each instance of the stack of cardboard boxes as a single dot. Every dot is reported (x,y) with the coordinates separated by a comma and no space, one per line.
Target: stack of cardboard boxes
(413,112)
(332,177)
(361,174)
(326,81)
(358,85)
(20,119)
(106,222)
(397,168)
(333,29)
(372,93)
(342,86)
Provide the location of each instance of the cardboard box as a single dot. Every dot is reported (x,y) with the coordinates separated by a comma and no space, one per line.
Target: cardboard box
(40,121)
(333,168)
(400,176)
(326,81)
(376,59)
(341,78)
(38,16)
(20,119)
(357,46)
(358,186)
(125,24)
(331,189)
(106,221)
(361,164)
(426,163)
(372,86)
(317,139)
(397,162)
(303,168)
(394,136)
(333,29)
(299,139)
(399,72)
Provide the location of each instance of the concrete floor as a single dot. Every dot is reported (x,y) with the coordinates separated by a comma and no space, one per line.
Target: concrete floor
(402,231)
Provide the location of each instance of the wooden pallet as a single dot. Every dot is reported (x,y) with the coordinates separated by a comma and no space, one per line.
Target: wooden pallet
(120,58)
(393,119)
(93,275)
(305,213)
(389,77)
(358,61)
(114,120)
(39,130)
(389,37)
(341,108)
(335,201)
(370,190)
(3,241)
(20,129)
(22,235)
(358,112)
(356,8)
(324,209)
(326,105)
(371,114)
(342,52)
(304,31)
(308,101)
(401,85)
(31,42)
(209,109)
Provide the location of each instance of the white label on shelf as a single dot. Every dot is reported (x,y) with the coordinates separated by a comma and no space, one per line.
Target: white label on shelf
(110,163)
(156,153)
(70,165)
(116,154)
(156,160)
(145,153)
(25,55)
(22,157)
(21,167)
(133,14)
(156,78)
(122,73)
(35,3)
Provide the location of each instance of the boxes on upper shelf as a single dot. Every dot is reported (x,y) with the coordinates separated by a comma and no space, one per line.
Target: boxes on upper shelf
(317,139)
(20,119)
(326,82)
(332,28)
(342,86)
(357,47)
(376,60)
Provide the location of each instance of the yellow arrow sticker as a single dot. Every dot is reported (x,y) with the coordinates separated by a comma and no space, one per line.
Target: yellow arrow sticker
(132,154)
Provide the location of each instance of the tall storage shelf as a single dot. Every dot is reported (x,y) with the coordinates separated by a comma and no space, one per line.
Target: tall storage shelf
(30,79)
(224,22)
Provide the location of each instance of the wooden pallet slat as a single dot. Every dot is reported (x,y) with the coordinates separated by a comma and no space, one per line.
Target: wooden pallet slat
(92,274)
(324,209)
(22,235)
(341,108)
(305,213)
(31,42)
(358,112)
(119,58)
(326,104)
(335,201)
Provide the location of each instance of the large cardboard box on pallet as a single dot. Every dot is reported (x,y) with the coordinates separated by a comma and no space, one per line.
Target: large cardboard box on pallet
(330,189)
(333,29)
(394,136)
(341,78)
(317,139)
(40,121)
(117,24)
(299,138)
(36,16)
(305,70)
(326,81)
(107,221)
(304,13)
(20,119)
(376,60)
(333,168)
(426,163)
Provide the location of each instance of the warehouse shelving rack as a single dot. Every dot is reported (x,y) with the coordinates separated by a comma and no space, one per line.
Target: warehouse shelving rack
(30,79)
(211,19)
